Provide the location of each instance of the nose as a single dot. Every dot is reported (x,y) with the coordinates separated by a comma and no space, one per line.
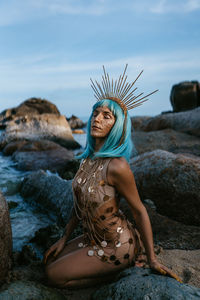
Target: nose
(97,117)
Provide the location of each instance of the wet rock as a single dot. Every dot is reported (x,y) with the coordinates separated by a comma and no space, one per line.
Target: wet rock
(39,127)
(12,204)
(187,122)
(5,239)
(172,182)
(26,255)
(28,107)
(185,96)
(75,122)
(45,237)
(50,192)
(167,139)
(29,290)
(137,283)
(44,154)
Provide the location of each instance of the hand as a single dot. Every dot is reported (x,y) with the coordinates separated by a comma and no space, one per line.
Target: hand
(155,265)
(57,248)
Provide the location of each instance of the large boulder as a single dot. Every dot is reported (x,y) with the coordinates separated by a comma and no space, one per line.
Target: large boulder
(168,234)
(137,284)
(39,127)
(50,192)
(185,263)
(28,107)
(167,139)
(172,182)
(5,238)
(187,122)
(138,122)
(185,96)
(43,154)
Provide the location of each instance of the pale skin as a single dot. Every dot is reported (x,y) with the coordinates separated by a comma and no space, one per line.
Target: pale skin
(67,266)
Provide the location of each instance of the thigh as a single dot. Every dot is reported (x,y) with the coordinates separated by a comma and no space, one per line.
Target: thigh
(71,246)
(78,265)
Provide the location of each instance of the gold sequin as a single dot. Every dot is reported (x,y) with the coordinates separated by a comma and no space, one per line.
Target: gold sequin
(90,252)
(119,229)
(118,244)
(103,243)
(100,252)
(101,182)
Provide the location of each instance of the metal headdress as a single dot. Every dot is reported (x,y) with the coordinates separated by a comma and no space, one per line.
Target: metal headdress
(119,91)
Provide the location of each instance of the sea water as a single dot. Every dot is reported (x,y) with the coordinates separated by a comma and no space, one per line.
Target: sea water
(25,219)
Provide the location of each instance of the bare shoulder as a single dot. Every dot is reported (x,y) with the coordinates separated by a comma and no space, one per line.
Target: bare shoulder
(118,164)
(118,168)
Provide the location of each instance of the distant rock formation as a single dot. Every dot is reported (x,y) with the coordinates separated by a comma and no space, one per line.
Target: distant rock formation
(185,96)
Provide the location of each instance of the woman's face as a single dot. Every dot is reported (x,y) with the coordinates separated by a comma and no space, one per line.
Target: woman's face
(102,122)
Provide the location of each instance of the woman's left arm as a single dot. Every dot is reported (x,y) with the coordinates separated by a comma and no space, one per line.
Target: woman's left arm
(120,175)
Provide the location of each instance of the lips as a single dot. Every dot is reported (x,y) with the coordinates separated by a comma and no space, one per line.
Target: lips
(95,127)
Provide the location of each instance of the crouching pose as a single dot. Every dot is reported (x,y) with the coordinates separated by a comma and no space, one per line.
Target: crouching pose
(109,242)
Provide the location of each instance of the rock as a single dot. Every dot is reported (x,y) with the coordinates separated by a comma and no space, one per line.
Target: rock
(12,204)
(39,127)
(185,96)
(172,182)
(29,290)
(28,107)
(138,122)
(137,284)
(47,236)
(168,234)
(167,139)
(187,122)
(43,154)
(50,192)
(27,255)
(184,263)
(5,239)
(75,122)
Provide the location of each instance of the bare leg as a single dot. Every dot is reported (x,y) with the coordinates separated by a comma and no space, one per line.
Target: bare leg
(77,269)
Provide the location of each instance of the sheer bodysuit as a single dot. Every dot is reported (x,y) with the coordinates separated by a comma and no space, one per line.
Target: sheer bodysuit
(108,235)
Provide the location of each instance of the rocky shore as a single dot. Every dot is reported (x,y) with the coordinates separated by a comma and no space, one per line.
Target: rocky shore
(167,173)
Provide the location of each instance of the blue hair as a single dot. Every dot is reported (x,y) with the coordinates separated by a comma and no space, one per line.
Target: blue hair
(111,146)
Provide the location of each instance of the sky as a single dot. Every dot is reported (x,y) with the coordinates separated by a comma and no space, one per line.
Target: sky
(51,48)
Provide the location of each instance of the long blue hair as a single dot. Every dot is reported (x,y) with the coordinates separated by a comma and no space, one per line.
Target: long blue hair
(111,147)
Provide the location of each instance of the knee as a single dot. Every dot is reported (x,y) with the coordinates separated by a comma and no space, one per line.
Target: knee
(54,278)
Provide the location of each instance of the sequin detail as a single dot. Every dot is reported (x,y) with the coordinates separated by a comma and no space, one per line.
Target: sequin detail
(104,243)
(100,252)
(90,252)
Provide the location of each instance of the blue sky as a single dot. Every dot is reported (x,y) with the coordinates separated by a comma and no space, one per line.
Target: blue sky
(51,48)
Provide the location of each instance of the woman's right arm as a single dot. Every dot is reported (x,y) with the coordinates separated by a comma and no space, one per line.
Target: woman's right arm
(71,225)
(60,244)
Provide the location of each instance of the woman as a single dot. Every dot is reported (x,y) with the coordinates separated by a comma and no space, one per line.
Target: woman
(110,243)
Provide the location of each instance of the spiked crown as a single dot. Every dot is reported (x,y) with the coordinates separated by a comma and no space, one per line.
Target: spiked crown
(119,91)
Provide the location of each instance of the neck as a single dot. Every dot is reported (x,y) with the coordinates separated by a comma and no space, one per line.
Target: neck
(98,144)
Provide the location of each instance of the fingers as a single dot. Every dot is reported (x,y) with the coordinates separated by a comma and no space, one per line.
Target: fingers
(47,253)
(165,271)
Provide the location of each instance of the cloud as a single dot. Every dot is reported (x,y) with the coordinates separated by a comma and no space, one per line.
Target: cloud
(14,11)
(178,6)
(39,73)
